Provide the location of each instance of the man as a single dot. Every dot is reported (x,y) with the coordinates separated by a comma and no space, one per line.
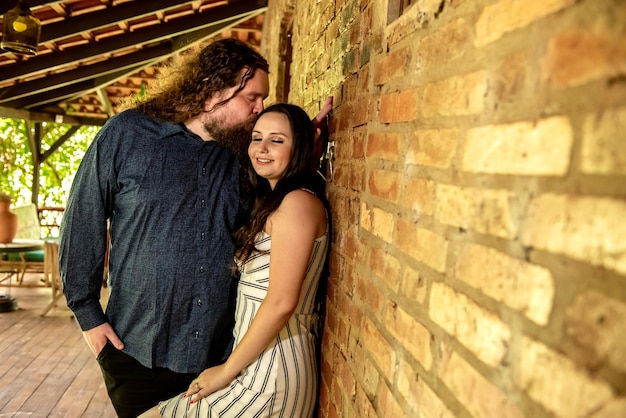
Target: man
(165,177)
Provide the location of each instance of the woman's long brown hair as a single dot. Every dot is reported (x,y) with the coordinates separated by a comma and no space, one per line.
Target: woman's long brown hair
(297,175)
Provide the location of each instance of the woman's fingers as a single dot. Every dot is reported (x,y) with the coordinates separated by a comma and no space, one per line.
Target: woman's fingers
(193,389)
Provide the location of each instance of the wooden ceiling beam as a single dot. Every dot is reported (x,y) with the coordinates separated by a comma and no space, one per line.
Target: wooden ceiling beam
(6,112)
(68,91)
(94,50)
(106,103)
(75,25)
(179,44)
(151,34)
(101,80)
(38,3)
(56,81)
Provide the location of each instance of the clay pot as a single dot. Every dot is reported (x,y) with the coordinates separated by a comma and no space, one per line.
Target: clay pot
(8,222)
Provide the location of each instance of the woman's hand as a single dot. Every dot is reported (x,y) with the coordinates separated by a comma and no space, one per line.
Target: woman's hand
(320,119)
(320,122)
(209,381)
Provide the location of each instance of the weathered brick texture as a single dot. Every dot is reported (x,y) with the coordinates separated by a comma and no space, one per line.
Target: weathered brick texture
(398,107)
(385,146)
(507,15)
(384,184)
(379,349)
(418,395)
(458,95)
(585,228)
(418,195)
(478,264)
(434,147)
(594,320)
(557,383)
(477,394)
(413,336)
(604,145)
(422,244)
(484,210)
(378,222)
(520,285)
(586,53)
(481,331)
(524,148)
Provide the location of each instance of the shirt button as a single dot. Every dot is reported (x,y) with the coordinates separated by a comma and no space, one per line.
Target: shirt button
(203,203)
(203,170)
(202,236)
(199,302)
(197,334)
(201,269)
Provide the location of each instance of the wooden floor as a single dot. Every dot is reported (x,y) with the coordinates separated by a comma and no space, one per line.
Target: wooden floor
(46,368)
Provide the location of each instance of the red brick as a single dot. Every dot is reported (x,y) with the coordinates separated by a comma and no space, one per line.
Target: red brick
(432,147)
(399,106)
(369,294)
(512,75)
(391,66)
(443,44)
(419,195)
(384,184)
(387,405)
(578,56)
(383,145)
(364,406)
(358,143)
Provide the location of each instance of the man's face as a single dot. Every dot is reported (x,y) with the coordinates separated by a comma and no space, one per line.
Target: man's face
(232,122)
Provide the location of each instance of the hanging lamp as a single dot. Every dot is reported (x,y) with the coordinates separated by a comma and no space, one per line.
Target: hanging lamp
(20,30)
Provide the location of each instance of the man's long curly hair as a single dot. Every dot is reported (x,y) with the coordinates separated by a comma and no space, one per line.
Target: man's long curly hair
(297,175)
(182,88)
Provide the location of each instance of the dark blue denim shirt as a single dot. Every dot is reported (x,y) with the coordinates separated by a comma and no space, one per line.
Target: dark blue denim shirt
(172,200)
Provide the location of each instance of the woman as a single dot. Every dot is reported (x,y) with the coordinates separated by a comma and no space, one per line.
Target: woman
(272,370)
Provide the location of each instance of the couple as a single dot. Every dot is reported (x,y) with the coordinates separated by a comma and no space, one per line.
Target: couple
(172,178)
(272,368)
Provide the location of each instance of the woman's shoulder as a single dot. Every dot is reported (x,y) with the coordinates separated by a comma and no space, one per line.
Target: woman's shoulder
(302,197)
(302,205)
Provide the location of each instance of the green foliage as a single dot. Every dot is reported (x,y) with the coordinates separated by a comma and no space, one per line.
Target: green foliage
(57,172)
(14,157)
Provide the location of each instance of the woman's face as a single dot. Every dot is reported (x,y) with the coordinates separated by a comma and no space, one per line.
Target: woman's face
(270,148)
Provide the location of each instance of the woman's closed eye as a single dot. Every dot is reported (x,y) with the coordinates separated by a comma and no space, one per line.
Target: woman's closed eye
(273,140)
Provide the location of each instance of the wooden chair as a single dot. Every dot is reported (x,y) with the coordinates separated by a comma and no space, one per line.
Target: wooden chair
(51,273)
(28,227)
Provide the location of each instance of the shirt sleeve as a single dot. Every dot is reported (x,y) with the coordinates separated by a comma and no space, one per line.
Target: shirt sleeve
(83,235)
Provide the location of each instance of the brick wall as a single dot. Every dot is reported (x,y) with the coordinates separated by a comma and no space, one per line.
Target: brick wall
(479,203)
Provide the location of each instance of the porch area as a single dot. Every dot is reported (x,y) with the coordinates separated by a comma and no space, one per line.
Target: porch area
(46,369)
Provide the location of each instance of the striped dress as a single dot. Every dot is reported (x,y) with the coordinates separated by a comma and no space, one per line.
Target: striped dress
(282,382)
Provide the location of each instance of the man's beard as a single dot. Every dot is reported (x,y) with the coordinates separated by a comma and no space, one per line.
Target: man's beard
(235,138)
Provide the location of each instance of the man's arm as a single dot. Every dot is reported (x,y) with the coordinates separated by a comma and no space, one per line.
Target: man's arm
(82,248)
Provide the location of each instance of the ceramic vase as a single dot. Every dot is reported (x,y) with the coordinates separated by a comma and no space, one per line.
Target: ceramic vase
(8,222)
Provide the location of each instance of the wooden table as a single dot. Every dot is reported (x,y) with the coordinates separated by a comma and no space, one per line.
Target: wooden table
(8,302)
(21,246)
